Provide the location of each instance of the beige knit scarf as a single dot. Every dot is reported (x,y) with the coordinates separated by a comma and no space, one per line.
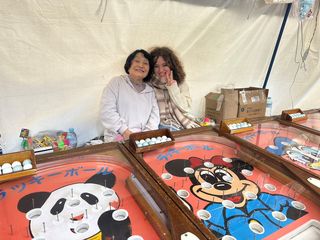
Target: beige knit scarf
(170,114)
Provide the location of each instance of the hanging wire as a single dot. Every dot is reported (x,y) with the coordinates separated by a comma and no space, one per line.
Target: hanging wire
(303,54)
(314,31)
(299,61)
(251,10)
(294,79)
(297,43)
(302,45)
(104,9)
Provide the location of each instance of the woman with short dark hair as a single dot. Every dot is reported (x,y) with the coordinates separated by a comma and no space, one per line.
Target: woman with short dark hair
(128,104)
(172,91)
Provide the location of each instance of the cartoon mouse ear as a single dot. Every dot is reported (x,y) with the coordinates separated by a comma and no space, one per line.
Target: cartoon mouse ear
(104,179)
(176,166)
(238,165)
(32,200)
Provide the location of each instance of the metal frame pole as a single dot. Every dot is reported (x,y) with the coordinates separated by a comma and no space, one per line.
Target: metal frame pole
(277,44)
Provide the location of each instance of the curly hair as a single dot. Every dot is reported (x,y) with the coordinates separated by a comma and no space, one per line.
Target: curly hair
(172,60)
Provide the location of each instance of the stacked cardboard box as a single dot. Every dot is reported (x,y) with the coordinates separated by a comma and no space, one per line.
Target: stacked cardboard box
(239,102)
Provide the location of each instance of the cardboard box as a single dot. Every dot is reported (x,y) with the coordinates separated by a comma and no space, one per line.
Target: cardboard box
(213,106)
(222,105)
(234,103)
(252,102)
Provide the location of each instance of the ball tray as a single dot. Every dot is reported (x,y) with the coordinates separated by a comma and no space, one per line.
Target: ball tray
(293,115)
(18,156)
(160,133)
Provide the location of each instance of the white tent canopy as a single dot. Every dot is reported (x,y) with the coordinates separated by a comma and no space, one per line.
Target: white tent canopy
(56,56)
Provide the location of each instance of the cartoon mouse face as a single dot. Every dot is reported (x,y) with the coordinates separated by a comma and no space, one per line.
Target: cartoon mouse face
(224,185)
(76,211)
(222,181)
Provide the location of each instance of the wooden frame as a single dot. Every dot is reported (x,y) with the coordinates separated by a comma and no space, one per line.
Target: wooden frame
(150,134)
(224,126)
(287,115)
(18,156)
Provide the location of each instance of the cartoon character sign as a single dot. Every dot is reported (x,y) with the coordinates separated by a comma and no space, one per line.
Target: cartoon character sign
(236,206)
(76,211)
(297,152)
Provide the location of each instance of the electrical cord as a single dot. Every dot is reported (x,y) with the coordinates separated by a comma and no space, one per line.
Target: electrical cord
(303,54)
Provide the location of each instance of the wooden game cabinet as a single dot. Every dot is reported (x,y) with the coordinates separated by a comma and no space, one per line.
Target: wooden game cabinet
(280,163)
(157,208)
(255,158)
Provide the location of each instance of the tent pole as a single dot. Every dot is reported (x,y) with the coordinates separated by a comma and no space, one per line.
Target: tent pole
(277,44)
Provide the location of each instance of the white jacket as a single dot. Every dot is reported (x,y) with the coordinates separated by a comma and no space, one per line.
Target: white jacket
(123,107)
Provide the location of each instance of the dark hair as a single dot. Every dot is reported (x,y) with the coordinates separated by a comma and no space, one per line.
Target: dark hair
(172,60)
(147,55)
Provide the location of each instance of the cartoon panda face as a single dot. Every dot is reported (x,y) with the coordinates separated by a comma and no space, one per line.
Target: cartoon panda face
(72,212)
(76,211)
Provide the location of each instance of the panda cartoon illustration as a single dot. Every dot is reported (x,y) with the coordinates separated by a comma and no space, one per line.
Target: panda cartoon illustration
(77,211)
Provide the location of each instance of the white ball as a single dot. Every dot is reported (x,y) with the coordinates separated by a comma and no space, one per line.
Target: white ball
(15,163)
(17,168)
(27,166)
(7,170)
(26,161)
(6,165)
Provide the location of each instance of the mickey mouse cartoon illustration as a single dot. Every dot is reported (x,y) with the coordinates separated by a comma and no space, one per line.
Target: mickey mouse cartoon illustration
(77,211)
(236,206)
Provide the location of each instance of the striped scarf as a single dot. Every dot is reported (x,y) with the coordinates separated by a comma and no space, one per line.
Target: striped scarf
(170,114)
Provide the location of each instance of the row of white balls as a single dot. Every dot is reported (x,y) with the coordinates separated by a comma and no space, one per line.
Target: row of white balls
(151,141)
(297,115)
(16,166)
(234,126)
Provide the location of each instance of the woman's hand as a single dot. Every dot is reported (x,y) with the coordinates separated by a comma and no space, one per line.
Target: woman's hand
(126,134)
(170,80)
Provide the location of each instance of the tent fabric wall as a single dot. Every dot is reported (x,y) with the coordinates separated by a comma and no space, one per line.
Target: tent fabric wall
(56,56)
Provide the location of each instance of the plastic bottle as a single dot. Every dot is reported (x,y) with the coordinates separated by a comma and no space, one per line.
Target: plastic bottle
(269,107)
(72,137)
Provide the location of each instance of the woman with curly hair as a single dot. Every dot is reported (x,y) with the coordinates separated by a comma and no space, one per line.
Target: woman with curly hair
(172,91)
